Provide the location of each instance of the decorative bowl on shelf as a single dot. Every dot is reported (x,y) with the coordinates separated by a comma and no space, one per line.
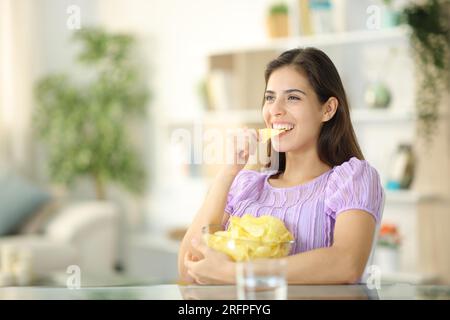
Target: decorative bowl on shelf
(377,95)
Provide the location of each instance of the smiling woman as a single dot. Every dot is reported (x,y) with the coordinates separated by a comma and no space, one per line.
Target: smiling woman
(327,195)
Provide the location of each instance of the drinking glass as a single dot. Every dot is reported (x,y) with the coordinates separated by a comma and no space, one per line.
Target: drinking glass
(261,279)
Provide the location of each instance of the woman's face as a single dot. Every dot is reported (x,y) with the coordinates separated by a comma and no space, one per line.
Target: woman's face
(290,102)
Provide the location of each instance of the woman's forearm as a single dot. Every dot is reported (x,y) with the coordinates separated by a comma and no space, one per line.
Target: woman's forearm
(211,212)
(319,266)
(331,265)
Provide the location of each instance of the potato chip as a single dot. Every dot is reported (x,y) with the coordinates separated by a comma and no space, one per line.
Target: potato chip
(268,133)
(251,238)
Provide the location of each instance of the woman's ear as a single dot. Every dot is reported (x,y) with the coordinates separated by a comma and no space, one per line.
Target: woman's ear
(329,109)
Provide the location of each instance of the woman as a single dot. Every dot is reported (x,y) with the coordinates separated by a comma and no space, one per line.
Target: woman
(328,196)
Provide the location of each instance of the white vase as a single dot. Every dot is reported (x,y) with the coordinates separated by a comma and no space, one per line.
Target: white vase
(387,259)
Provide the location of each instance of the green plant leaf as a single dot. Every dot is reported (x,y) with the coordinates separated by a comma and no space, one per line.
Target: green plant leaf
(430,41)
(279,8)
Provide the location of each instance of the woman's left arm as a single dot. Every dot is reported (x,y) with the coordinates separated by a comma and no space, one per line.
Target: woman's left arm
(344,261)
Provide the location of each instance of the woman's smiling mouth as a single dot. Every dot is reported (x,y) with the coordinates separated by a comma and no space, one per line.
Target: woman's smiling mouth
(285,126)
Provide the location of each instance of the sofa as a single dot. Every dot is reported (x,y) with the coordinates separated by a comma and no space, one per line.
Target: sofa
(53,232)
(83,234)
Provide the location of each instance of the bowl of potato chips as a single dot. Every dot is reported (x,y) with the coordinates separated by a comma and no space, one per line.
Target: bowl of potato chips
(249,238)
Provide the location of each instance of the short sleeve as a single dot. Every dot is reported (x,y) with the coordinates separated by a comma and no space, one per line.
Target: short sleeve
(241,185)
(354,185)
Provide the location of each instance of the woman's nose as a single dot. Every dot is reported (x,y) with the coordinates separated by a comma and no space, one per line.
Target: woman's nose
(277,107)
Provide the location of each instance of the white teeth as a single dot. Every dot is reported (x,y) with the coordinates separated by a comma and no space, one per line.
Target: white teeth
(284,126)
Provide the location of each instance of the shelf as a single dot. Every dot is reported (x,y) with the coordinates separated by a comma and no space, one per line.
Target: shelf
(408,277)
(408,197)
(321,40)
(377,116)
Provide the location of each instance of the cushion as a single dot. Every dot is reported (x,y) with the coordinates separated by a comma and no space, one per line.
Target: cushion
(19,199)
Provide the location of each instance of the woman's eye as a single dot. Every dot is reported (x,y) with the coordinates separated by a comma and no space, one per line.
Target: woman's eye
(293,98)
(269,98)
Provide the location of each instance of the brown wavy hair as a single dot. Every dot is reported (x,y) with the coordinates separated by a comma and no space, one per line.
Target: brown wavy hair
(337,141)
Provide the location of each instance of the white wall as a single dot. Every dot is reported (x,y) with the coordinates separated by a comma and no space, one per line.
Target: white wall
(17,64)
(54,52)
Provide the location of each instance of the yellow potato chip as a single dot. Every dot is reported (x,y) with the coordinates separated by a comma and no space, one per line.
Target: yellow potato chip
(252,237)
(262,251)
(268,133)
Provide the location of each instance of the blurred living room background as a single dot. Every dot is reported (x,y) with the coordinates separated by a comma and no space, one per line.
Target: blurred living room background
(98,96)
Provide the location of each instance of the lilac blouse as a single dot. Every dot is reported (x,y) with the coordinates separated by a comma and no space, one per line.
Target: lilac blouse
(309,210)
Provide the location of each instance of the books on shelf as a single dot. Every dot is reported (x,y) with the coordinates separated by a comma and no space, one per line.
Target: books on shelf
(321,16)
(305,19)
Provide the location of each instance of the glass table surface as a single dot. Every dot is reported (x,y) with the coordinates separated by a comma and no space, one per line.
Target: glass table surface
(225,292)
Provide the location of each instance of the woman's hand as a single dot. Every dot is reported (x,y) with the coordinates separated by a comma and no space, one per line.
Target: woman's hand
(243,144)
(215,267)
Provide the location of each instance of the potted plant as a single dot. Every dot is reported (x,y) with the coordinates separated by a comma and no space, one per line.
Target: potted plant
(429,21)
(278,21)
(387,253)
(84,123)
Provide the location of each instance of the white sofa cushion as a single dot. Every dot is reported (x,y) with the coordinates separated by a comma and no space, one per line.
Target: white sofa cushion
(92,228)
(68,224)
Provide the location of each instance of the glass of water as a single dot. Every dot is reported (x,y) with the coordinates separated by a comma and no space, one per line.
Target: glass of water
(261,279)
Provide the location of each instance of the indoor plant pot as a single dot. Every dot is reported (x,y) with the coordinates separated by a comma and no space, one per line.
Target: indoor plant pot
(278,21)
